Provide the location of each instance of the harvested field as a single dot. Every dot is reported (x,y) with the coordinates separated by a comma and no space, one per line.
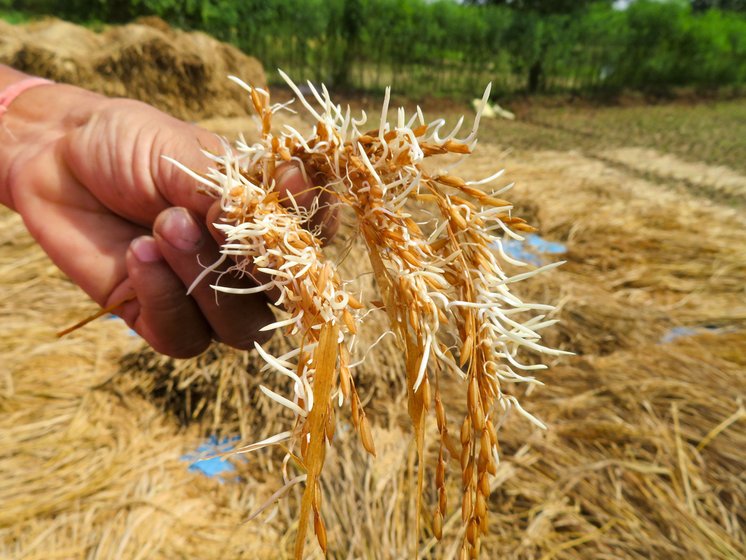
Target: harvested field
(709,131)
(646,447)
(715,181)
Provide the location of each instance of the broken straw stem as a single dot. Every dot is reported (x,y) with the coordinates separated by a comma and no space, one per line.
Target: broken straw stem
(96,315)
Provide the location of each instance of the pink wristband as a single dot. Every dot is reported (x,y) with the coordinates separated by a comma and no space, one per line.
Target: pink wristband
(14,90)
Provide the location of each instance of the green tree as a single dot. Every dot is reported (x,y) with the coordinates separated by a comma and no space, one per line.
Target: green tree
(538,24)
(543,6)
(349,35)
(724,5)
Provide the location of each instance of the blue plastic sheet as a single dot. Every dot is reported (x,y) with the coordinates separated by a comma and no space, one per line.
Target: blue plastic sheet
(531,250)
(680,332)
(205,460)
(112,317)
(541,245)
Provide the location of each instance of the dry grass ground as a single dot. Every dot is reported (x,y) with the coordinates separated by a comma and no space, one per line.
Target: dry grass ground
(646,447)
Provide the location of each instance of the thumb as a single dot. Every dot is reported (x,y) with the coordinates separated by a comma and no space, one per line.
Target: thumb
(291,179)
(175,185)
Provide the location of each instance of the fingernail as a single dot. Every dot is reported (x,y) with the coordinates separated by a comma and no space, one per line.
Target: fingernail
(286,174)
(146,250)
(181,230)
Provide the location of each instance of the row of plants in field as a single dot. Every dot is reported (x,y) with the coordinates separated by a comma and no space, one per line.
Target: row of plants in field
(445,47)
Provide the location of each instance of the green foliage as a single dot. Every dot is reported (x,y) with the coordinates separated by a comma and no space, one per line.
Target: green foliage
(12,16)
(542,6)
(735,5)
(667,46)
(447,47)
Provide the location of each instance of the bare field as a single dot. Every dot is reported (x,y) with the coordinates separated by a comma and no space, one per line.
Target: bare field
(710,132)
(646,446)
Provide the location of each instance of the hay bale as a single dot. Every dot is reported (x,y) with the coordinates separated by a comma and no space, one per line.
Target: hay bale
(9,40)
(144,63)
(178,72)
(183,73)
(53,49)
(155,22)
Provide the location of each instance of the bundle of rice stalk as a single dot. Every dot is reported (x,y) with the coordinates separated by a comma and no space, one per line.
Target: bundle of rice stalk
(441,282)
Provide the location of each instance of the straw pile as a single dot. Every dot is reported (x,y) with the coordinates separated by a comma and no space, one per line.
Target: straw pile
(178,72)
(643,458)
(720,182)
(644,455)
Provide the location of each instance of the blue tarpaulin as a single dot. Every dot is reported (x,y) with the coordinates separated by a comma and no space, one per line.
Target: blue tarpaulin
(531,249)
(205,459)
(112,317)
(680,332)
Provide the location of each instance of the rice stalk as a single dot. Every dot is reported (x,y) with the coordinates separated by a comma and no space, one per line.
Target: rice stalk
(434,246)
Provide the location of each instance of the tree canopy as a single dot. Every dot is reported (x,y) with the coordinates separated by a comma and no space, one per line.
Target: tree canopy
(725,5)
(543,6)
(451,48)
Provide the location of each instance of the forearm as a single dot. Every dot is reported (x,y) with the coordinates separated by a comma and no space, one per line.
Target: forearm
(34,119)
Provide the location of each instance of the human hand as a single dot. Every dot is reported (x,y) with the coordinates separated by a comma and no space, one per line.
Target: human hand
(87,175)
